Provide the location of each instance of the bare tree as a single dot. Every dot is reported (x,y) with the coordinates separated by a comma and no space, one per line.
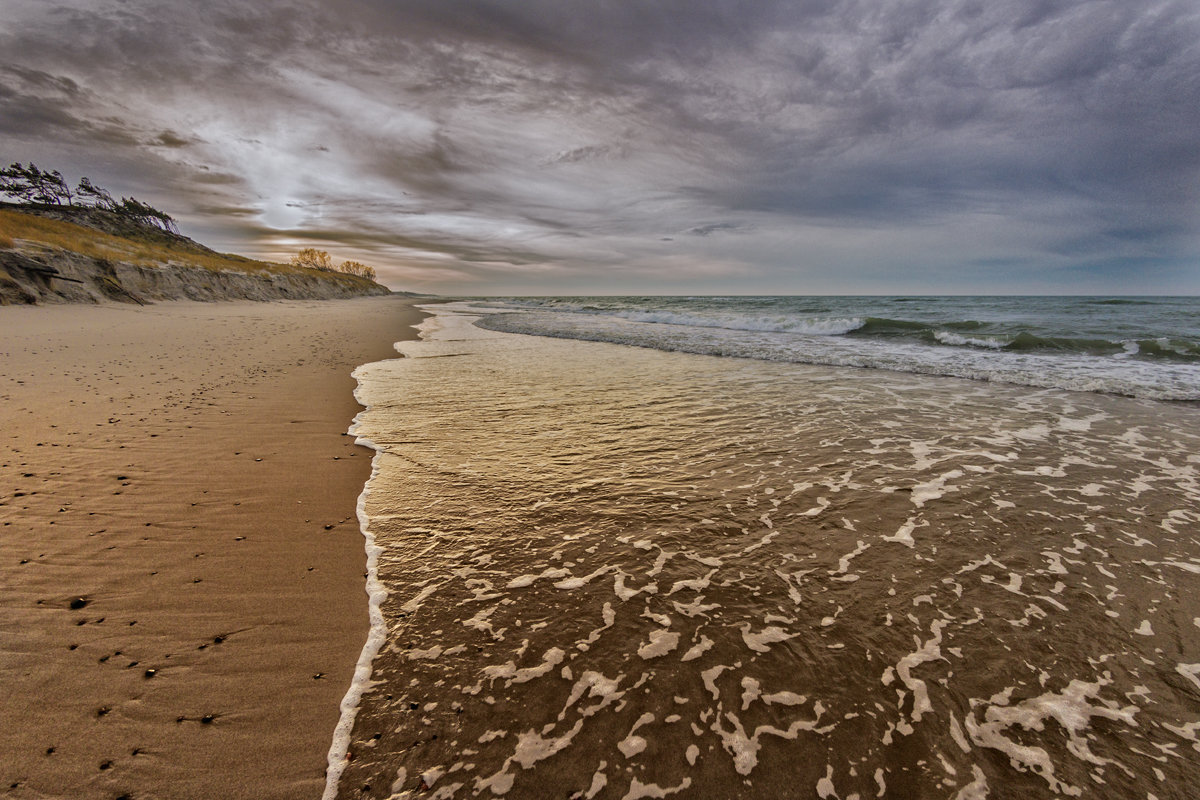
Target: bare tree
(96,196)
(33,185)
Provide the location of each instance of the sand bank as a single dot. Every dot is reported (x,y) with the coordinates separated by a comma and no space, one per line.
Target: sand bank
(181,570)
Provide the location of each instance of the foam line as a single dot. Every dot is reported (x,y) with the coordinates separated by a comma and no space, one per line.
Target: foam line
(376,594)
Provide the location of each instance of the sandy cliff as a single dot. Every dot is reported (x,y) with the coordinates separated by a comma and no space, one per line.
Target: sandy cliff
(53,260)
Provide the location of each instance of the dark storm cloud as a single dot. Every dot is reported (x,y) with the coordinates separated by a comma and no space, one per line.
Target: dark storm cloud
(171,139)
(34,103)
(714,227)
(479,138)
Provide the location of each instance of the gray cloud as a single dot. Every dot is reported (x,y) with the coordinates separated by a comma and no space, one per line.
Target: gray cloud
(499,146)
(714,227)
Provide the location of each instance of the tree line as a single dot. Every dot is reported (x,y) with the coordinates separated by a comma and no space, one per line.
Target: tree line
(312,258)
(29,184)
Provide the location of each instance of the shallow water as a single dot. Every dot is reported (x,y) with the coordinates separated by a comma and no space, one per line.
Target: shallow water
(616,572)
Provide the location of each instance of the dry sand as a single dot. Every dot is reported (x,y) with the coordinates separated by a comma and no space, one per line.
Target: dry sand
(181,569)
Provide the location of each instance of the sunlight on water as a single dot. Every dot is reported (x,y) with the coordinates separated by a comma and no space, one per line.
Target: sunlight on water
(619,573)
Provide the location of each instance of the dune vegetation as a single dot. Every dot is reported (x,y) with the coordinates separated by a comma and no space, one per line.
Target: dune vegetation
(143,246)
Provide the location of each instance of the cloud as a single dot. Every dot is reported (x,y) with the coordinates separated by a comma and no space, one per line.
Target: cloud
(859,141)
(170,139)
(714,227)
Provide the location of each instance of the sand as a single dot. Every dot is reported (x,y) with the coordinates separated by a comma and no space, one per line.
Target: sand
(181,569)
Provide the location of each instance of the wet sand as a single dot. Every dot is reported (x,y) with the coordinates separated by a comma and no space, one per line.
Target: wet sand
(181,569)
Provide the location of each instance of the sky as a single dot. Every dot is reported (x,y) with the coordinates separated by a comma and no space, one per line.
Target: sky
(478,147)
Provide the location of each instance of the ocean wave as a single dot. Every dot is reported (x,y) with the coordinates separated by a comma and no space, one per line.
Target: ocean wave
(710,317)
(1029,361)
(1171,349)
(816,326)
(954,339)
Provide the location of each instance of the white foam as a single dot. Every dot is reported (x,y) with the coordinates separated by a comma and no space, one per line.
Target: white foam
(696,608)
(784,698)
(401,779)
(480,623)
(744,748)
(698,649)
(844,561)
(661,642)
(1190,671)
(626,594)
(904,535)
(550,659)
(825,788)
(521,581)
(633,744)
(922,493)
(710,675)
(1070,709)
(977,789)
(594,684)
(575,583)
(695,584)
(751,691)
(415,603)
(638,790)
(532,747)
(338,755)
(946,337)
(599,781)
(761,642)
(929,651)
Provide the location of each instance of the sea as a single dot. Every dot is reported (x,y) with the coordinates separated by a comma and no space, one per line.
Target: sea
(782,547)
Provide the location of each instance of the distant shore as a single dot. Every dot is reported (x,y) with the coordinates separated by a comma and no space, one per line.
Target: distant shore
(181,564)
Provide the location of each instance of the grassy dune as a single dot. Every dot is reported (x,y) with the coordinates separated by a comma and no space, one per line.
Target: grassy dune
(152,248)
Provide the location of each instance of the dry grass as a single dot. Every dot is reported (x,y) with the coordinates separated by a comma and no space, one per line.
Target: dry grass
(97,244)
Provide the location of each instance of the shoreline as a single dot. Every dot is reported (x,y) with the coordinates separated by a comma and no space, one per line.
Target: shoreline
(172,629)
(632,571)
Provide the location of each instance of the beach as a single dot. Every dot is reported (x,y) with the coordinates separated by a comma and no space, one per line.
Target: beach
(181,563)
(646,551)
